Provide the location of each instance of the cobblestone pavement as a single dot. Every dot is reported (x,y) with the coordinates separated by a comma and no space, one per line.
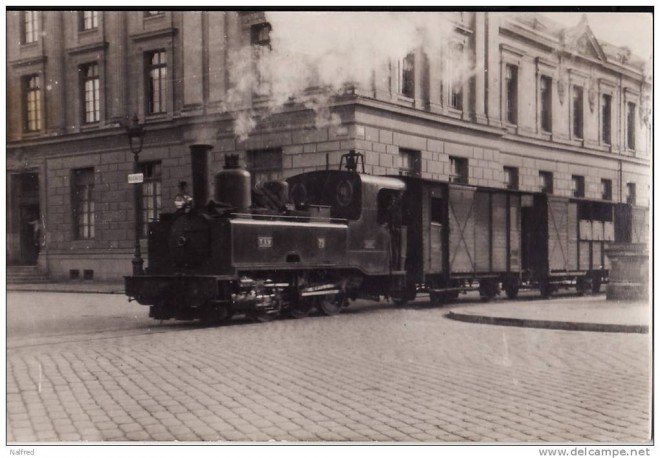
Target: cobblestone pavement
(373,373)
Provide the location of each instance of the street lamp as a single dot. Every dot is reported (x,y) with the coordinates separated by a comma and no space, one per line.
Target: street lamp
(135,133)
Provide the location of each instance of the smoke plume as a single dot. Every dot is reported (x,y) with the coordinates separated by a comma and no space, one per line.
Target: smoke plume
(315,56)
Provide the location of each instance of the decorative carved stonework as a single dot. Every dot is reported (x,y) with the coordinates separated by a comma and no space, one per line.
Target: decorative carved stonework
(591,97)
(561,90)
(645,109)
(582,46)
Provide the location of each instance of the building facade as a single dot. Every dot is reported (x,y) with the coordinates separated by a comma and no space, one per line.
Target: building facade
(503,101)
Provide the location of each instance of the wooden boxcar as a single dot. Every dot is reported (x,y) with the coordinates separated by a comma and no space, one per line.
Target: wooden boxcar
(564,242)
(461,237)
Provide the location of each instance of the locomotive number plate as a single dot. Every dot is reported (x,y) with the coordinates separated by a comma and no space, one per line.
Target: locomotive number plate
(321,242)
(265,242)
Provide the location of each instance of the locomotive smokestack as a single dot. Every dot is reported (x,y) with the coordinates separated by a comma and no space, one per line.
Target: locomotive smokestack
(199,155)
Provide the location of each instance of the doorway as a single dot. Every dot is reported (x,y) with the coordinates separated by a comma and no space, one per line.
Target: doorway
(29,224)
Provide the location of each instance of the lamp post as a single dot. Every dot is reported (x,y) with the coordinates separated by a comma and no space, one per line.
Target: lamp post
(135,133)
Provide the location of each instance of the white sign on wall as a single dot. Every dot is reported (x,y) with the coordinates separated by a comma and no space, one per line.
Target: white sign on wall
(134,178)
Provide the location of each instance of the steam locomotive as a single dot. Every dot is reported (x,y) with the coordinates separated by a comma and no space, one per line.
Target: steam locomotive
(323,238)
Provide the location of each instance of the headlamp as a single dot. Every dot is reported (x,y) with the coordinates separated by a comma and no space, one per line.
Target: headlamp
(182,200)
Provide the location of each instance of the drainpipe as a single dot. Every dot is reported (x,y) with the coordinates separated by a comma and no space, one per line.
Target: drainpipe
(620,181)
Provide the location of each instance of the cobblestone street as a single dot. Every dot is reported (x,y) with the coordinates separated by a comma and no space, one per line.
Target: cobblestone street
(372,373)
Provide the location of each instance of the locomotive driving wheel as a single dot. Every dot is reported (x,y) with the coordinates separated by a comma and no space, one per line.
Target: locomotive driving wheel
(264,316)
(301,308)
(331,304)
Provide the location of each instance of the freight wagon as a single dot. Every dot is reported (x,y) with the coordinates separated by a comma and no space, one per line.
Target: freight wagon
(461,238)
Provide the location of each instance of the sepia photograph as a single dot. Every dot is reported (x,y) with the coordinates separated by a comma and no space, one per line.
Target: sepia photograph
(329,226)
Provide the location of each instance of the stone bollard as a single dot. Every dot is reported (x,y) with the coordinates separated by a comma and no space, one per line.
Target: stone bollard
(629,271)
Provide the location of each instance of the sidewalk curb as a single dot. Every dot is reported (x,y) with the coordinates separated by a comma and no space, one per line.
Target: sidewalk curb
(548,324)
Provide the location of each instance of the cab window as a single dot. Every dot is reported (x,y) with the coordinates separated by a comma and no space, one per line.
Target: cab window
(389,207)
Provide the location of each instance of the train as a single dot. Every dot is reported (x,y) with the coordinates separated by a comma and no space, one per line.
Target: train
(321,239)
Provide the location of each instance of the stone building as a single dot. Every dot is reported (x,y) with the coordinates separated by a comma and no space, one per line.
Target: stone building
(501,100)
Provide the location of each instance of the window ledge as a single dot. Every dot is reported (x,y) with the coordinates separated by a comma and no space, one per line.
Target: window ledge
(152,17)
(409,173)
(88,48)
(156,116)
(152,35)
(404,100)
(35,60)
(90,126)
(92,31)
(604,147)
(32,44)
(32,133)
(454,112)
(81,243)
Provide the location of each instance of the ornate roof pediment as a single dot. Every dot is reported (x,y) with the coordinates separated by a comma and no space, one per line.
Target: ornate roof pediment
(581,40)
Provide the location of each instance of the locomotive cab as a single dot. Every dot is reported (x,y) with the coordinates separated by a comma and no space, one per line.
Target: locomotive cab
(371,207)
(335,192)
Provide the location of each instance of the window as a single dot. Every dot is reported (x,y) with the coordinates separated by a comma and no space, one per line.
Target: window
(148,14)
(410,161)
(437,207)
(29,26)
(606,189)
(577,185)
(546,103)
(260,34)
(578,102)
(389,207)
(157,82)
(455,67)
(260,41)
(545,179)
(151,195)
(459,169)
(32,102)
(631,193)
(83,203)
(265,165)
(630,125)
(606,119)
(511,177)
(406,76)
(89,20)
(91,94)
(511,89)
